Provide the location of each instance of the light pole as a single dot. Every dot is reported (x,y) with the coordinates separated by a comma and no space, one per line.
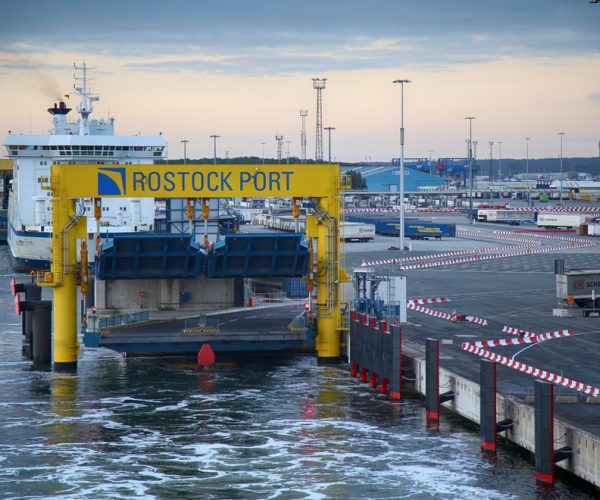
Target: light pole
(288,152)
(561,167)
(263,152)
(329,129)
(430,162)
(401,228)
(214,138)
(470,118)
(500,164)
(527,139)
(491,143)
(184,141)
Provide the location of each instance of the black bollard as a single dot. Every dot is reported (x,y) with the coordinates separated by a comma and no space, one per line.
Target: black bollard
(41,335)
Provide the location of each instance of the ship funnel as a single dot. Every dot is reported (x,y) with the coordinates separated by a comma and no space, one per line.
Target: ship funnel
(60,109)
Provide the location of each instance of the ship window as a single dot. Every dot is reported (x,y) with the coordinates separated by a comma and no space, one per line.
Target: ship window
(137,148)
(53,148)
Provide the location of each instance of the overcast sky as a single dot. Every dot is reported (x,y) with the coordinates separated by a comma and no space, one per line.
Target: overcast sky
(243,69)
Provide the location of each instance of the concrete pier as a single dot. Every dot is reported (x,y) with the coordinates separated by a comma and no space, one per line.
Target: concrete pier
(584,463)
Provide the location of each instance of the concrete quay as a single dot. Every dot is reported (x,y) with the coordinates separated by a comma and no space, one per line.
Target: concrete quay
(519,292)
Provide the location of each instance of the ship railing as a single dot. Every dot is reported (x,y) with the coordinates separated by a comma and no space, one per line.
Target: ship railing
(122,319)
(277,299)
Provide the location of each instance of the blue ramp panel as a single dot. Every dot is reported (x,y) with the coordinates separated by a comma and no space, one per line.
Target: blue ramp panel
(253,255)
(139,256)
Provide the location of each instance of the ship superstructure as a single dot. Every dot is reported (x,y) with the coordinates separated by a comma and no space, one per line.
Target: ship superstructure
(83,141)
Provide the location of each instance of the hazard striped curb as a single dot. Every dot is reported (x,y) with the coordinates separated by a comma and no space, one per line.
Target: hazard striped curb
(201,330)
(535,372)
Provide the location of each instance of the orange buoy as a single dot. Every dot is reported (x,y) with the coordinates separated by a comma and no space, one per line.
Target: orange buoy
(206,357)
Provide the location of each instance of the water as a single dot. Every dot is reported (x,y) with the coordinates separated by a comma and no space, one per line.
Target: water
(279,428)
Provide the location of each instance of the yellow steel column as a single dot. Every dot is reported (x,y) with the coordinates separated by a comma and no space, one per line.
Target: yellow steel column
(66,230)
(328,268)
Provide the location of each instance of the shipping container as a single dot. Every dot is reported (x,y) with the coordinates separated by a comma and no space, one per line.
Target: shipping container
(294,287)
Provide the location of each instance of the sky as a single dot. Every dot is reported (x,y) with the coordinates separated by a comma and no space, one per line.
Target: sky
(243,69)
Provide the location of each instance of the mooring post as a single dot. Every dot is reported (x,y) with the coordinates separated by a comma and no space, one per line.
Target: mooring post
(41,339)
(433,398)
(32,292)
(364,356)
(487,405)
(374,351)
(396,381)
(545,454)
(544,431)
(432,379)
(355,341)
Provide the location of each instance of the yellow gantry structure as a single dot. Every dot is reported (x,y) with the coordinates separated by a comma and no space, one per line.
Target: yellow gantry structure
(71,183)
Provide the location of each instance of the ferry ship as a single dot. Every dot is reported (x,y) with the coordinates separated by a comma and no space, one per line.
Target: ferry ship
(82,141)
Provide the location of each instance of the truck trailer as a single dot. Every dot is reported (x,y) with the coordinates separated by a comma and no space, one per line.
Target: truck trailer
(357,231)
(560,221)
(581,284)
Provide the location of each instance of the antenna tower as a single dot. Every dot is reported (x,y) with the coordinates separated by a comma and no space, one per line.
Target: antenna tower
(303,114)
(319,85)
(279,139)
(87,98)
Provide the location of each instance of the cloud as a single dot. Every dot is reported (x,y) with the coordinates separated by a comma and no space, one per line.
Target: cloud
(280,37)
(594,97)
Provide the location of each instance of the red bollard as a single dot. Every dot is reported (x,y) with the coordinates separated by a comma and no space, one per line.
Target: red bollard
(206,357)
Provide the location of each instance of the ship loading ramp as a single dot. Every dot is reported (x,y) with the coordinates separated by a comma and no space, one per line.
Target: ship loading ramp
(164,256)
(284,327)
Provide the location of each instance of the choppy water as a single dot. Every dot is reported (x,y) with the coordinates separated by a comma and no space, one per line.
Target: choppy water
(269,428)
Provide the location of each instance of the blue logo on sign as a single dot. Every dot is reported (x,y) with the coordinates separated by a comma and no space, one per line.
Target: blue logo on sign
(111,181)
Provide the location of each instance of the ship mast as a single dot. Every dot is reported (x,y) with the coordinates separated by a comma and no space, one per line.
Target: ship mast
(87,98)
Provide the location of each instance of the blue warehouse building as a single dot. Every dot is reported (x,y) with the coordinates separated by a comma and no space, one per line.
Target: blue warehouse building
(384,178)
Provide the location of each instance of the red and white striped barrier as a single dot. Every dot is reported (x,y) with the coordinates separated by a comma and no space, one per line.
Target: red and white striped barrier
(407,210)
(544,235)
(463,260)
(496,236)
(533,339)
(535,372)
(517,331)
(475,319)
(433,300)
(524,333)
(443,315)
(435,256)
(430,312)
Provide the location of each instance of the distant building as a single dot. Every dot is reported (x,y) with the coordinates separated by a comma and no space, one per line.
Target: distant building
(385,178)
